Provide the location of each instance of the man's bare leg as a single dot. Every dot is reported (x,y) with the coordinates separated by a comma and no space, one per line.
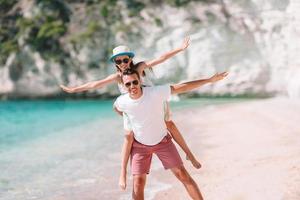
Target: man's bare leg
(139,182)
(181,142)
(126,149)
(188,182)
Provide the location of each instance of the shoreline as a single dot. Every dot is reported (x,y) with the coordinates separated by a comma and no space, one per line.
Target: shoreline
(107,96)
(248,150)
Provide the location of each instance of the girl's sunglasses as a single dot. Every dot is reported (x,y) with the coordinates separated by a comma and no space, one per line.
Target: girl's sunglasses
(128,84)
(119,61)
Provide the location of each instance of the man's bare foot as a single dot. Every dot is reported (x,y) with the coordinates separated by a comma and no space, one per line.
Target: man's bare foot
(122,180)
(194,161)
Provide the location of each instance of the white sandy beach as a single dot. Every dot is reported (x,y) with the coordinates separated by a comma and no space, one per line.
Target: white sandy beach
(249,151)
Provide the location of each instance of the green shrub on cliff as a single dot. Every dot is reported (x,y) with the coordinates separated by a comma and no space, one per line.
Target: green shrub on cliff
(49,28)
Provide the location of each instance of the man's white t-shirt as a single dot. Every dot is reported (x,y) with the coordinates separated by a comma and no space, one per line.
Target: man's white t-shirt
(146,114)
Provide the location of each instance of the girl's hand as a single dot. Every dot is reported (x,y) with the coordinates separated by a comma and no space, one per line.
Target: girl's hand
(218,77)
(185,43)
(67,89)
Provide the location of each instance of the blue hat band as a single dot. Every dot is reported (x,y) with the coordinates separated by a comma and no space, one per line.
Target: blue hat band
(130,54)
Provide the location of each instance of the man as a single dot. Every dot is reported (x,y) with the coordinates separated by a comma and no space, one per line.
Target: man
(144,107)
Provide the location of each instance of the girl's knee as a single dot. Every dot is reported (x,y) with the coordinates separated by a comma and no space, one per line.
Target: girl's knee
(128,135)
(170,123)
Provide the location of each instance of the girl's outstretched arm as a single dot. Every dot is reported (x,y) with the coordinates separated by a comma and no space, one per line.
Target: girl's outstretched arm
(92,85)
(168,55)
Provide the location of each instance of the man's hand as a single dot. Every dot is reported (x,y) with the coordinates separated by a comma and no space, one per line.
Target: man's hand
(218,77)
(67,89)
(185,43)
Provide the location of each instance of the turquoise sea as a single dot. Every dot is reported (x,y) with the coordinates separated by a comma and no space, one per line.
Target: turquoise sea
(22,121)
(65,149)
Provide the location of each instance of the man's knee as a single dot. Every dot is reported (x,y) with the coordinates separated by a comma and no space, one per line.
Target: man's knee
(139,181)
(183,175)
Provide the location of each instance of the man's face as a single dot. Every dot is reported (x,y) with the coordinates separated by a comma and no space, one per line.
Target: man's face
(132,84)
(123,62)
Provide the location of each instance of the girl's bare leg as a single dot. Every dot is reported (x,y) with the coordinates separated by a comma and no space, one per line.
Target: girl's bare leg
(126,149)
(178,137)
(181,142)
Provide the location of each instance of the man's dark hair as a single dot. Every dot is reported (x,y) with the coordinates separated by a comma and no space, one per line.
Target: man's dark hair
(130,72)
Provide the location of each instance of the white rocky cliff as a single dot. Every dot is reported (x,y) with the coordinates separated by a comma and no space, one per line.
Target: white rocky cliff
(258,42)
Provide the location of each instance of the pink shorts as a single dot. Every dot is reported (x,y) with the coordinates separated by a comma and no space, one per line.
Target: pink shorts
(141,155)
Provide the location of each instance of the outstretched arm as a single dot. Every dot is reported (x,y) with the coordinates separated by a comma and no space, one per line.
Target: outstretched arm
(168,55)
(188,86)
(92,85)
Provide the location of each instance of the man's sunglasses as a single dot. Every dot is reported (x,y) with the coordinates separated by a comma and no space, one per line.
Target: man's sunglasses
(128,84)
(119,61)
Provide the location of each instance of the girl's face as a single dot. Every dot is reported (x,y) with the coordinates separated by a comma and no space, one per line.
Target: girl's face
(123,62)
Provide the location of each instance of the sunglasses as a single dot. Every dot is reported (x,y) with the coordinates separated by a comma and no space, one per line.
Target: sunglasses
(119,61)
(128,84)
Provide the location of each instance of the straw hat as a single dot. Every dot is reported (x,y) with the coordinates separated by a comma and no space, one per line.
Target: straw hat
(121,51)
